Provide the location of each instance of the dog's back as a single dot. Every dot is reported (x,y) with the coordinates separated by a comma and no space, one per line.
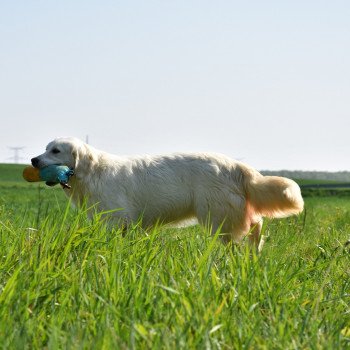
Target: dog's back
(173,187)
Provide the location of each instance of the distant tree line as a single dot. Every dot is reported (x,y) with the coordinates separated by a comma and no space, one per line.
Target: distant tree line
(310,175)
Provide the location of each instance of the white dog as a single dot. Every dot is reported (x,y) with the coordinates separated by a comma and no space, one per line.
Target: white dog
(220,192)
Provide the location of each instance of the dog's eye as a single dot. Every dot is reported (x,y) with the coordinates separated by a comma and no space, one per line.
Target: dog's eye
(55,150)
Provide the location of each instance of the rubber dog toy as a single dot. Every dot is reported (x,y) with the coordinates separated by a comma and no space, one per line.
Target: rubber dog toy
(52,175)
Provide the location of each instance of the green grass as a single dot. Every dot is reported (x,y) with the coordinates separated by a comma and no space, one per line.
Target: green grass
(11,173)
(69,282)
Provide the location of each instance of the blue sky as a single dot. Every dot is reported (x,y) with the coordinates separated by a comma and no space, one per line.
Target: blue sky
(267,82)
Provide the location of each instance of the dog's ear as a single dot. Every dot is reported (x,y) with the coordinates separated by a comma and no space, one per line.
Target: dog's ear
(84,158)
(75,155)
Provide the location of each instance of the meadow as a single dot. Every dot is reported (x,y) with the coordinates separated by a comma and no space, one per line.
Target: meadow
(69,282)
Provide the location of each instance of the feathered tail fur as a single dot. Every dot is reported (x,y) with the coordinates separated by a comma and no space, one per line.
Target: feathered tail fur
(273,196)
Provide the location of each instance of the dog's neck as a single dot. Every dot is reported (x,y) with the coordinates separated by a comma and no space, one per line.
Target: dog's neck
(83,181)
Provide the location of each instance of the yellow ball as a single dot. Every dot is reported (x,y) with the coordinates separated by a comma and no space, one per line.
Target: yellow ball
(31,174)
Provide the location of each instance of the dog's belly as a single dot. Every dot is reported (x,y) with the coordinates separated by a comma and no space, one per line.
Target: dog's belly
(149,204)
(164,209)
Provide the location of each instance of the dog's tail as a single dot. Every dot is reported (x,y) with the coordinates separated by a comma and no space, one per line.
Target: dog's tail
(272,196)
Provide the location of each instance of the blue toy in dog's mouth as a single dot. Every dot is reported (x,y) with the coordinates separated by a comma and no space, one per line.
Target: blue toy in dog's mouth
(51,174)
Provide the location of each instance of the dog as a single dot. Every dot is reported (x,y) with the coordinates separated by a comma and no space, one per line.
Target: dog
(221,193)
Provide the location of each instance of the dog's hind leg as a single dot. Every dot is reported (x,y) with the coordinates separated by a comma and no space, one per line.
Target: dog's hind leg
(227,215)
(254,237)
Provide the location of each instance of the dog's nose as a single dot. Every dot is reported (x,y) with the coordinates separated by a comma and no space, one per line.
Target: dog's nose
(35,162)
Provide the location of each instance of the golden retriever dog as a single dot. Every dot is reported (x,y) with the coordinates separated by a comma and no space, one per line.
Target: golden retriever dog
(219,192)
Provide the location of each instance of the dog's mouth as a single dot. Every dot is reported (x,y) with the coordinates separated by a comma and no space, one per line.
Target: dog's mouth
(38,164)
(53,174)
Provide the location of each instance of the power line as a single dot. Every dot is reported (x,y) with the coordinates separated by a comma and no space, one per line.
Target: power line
(16,157)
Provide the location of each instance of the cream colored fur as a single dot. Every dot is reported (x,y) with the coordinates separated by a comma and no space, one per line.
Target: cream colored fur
(218,191)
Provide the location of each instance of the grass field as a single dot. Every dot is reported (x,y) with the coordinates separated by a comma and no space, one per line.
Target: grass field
(67,282)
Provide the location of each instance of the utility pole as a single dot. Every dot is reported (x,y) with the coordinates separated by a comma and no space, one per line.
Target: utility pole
(16,156)
(87,139)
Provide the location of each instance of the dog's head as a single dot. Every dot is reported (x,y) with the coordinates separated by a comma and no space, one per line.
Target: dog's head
(71,152)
